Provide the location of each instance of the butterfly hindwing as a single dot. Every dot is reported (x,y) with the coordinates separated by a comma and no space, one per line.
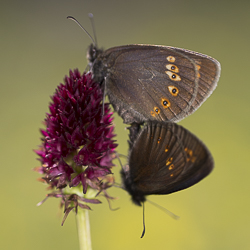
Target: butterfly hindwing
(165,158)
(208,75)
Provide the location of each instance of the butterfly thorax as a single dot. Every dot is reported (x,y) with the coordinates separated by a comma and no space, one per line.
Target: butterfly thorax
(136,196)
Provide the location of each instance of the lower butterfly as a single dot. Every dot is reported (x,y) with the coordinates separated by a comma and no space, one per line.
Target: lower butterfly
(164,158)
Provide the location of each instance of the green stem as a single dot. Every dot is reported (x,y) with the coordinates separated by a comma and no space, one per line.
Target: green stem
(83,228)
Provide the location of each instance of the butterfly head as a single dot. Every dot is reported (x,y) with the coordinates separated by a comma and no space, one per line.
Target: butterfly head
(136,196)
(93,53)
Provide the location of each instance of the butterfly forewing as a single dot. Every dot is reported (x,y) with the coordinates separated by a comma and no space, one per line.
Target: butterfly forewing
(150,82)
(153,158)
(166,158)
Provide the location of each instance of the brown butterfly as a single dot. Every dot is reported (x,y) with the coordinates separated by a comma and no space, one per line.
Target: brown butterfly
(164,158)
(150,82)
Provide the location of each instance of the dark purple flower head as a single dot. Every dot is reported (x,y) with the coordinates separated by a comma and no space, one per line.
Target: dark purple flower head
(78,143)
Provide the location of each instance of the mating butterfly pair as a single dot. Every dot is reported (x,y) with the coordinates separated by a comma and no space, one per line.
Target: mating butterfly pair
(158,85)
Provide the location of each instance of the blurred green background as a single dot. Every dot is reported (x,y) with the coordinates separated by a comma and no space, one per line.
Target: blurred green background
(39,46)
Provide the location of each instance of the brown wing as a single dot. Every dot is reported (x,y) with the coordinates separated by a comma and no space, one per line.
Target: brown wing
(167,158)
(147,82)
(208,74)
(150,82)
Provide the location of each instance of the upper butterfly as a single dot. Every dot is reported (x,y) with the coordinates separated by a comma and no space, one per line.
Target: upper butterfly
(151,82)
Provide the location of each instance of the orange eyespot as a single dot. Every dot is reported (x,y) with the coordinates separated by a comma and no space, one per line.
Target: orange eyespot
(173,76)
(169,161)
(166,148)
(152,113)
(171,167)
(157,110)
(171,59)
(189,151)
(190,156)
(173,90)
(198,68)
(158,140)
(165,103)
(172,67)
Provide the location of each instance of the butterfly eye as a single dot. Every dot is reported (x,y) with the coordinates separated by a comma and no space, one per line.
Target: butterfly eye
(165,103)
(173,90)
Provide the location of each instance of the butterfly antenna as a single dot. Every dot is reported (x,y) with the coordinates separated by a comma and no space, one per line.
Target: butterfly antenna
(174,216)
(143,214)
(91,17)
(73,19)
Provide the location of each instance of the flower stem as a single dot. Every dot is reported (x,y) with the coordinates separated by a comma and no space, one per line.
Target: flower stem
(83,228)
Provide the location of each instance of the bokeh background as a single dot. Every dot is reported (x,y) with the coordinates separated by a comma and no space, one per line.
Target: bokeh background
(38,47)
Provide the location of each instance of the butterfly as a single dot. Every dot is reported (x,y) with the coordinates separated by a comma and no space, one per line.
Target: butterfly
(151,82)
(164,158)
